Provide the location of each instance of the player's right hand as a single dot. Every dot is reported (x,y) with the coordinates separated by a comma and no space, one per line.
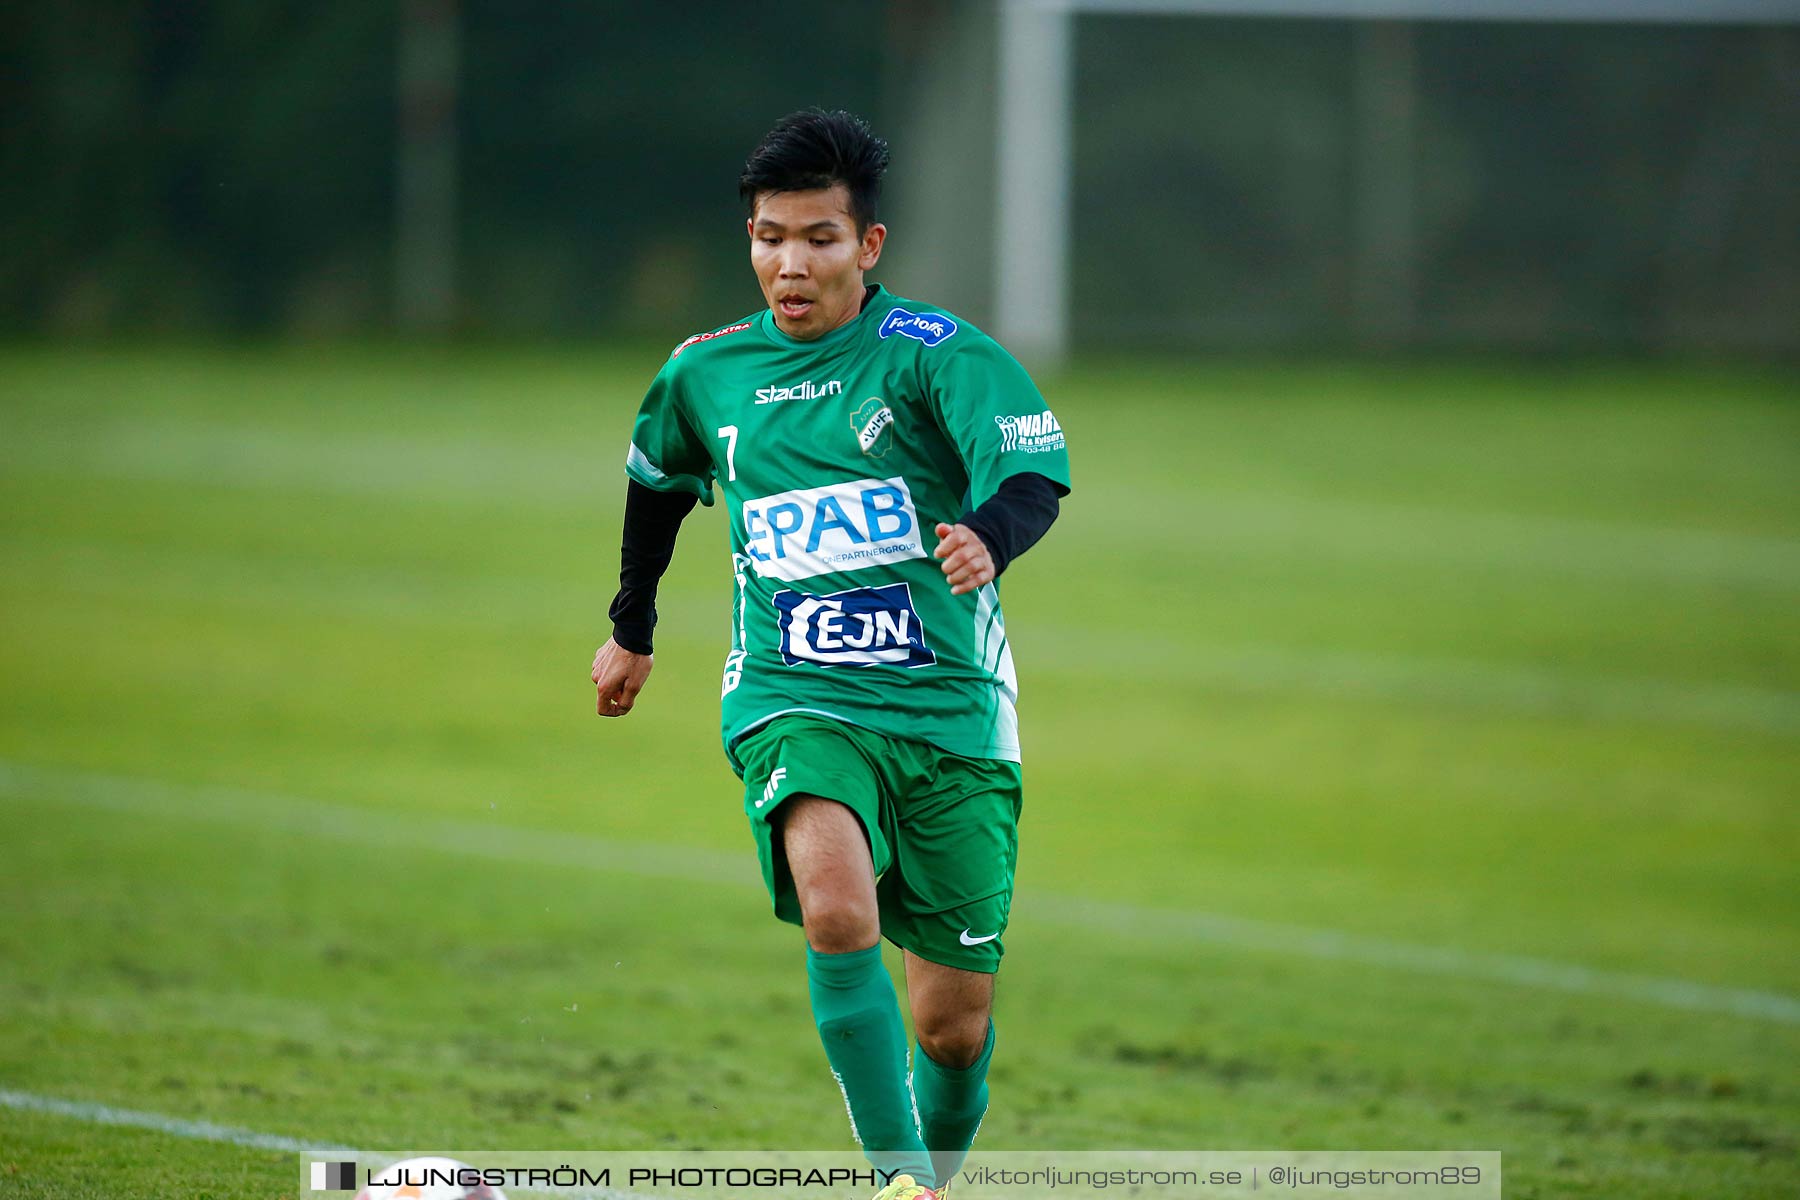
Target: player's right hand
(619,675)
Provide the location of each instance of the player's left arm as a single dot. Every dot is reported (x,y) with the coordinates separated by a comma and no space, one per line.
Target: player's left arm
(978,548)
(1013,449)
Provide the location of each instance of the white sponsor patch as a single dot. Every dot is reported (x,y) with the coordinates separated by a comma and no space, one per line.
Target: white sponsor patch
(855,627)
(841,527)
(1032,433)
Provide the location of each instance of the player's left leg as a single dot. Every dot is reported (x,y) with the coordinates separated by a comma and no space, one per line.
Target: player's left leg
(952,1012)
(946,902)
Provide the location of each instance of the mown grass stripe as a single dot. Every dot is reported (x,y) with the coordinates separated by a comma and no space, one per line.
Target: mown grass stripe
(510,472)
(304,817)
(440,599)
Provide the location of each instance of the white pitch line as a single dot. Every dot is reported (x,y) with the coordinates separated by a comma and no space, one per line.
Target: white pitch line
(181,1127)
(1304,942)
(207,1131)
(1463,683)
(269,811)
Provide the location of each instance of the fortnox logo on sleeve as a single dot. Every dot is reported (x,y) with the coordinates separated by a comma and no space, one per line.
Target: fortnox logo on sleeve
(929,327)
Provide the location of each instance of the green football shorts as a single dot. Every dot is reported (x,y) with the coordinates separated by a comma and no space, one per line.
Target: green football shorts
(942,829)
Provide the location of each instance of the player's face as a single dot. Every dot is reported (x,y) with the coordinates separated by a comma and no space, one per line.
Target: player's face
(810,259)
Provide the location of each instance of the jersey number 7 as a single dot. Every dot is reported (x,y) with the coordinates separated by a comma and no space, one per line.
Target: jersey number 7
(729,433)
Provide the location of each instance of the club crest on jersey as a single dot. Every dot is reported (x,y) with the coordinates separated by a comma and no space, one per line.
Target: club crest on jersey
(839,527)
(860,627)
(1032,433)
(873,422)
(930,328)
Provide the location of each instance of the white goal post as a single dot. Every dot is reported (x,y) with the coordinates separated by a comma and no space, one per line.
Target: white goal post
(1036,56)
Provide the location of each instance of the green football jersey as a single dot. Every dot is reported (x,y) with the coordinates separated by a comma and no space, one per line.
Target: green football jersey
(837,458)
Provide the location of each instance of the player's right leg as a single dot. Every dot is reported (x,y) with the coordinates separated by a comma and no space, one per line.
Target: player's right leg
(833,871)
(947,900)
(852,994)
(813,802)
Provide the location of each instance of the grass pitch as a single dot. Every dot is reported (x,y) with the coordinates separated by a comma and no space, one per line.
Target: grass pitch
(1411,763)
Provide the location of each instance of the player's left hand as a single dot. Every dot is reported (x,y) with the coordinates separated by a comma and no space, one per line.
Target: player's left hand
(967,563)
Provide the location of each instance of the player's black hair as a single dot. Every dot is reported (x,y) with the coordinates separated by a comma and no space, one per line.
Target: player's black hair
(812,149)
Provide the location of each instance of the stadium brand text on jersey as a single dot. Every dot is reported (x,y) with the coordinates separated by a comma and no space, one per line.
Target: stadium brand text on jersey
(799,391)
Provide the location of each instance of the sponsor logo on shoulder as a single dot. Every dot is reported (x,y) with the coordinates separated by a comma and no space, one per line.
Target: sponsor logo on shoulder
(930,328)
(1032,433)
(799,391)
(707,337)
(860,627)
(839,527)
(873,422)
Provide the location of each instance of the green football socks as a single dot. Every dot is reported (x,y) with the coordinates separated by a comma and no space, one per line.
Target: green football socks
(859,1022)
(951,1104)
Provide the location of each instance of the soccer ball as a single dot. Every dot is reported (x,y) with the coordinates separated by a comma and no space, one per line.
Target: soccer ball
(426,1179)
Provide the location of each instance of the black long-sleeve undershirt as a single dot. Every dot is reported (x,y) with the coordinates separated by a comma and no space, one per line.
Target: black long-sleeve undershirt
(1008,523)
(652,519)
(1020,511)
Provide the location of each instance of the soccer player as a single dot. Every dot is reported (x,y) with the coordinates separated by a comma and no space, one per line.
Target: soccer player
(882,462)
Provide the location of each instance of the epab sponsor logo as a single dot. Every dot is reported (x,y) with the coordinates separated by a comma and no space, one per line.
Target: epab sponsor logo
(930,328)
(1032,433)
(839,527)
(807,390)
(859,627)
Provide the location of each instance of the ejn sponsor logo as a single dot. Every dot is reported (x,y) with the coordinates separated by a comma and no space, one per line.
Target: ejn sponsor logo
(856,627)
(334,1177)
